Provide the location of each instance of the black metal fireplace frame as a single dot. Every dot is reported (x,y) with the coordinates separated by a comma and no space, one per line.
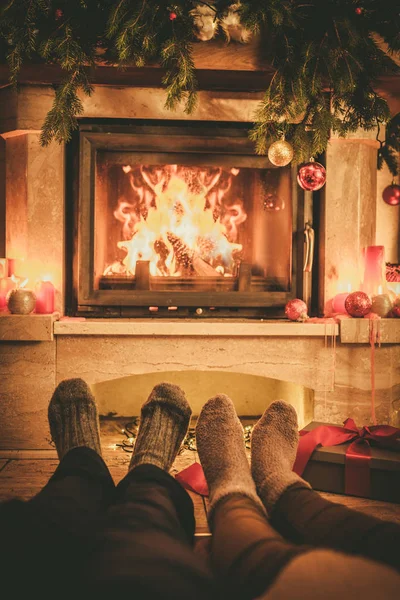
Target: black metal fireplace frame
(195,138)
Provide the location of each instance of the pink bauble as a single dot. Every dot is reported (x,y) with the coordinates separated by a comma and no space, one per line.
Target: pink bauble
(296,310)
(358,304)
(391,194)
(311,176)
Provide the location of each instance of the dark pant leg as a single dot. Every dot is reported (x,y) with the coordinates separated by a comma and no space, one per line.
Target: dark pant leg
(303,516)
(146,547)
(247,554)
(45,541)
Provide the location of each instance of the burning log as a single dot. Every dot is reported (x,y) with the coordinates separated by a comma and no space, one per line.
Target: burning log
(190,259)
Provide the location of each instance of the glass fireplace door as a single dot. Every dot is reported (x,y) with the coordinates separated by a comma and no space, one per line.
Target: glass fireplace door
(182,217)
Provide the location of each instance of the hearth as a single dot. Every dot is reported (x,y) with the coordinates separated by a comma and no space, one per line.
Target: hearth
(175,218)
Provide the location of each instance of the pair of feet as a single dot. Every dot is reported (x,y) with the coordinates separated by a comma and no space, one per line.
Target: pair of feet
(164,421)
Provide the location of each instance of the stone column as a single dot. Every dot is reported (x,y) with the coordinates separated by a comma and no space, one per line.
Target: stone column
(35,208)
(348,221)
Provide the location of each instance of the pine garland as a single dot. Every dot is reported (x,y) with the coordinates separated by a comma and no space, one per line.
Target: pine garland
(326,56)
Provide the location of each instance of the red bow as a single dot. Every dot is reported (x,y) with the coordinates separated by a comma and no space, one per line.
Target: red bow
(358,454)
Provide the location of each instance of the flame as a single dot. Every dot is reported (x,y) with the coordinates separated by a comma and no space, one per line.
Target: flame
(179,213)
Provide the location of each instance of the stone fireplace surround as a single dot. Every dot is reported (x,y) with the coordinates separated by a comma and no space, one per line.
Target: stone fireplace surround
(324,369)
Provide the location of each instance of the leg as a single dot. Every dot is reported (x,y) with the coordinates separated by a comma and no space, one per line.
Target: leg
(146,546)
(299,512)
(53,532)
(247,553)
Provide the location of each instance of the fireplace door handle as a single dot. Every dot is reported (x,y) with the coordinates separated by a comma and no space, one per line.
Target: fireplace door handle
(309,253)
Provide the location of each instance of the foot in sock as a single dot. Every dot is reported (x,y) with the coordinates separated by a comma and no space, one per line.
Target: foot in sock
(221,447)
(164,421)
(274,442)
(73,417)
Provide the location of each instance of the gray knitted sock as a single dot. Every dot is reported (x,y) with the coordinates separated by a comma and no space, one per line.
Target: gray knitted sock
(164,422)
(274,442)
(222,452)
(73,417)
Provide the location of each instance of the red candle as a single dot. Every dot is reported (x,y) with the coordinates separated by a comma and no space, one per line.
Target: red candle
(11,266)
(45,294)
(6,284)
(374,281)
(338,306)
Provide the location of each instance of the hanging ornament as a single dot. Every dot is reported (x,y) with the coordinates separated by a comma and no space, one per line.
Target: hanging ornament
(311,176)
(358,10)
(172,16)
(205,23)
(273,202)
(296,310)
(232,26)
(391,194)
(358,304)
(280,153)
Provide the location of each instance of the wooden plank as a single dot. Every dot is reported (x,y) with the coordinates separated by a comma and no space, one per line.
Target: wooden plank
(25,478)
(381,510)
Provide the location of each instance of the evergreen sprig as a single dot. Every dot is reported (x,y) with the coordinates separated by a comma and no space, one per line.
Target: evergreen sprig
(326,59)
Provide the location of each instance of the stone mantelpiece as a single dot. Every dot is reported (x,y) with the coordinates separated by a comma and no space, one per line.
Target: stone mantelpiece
(325,379)
(335,375)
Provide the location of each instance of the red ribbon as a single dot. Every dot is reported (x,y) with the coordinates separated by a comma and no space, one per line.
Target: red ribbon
(358,454)
(192,478)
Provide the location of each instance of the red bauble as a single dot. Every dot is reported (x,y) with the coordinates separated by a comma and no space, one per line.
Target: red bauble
(172,16)
(358,304)
(358,10)
(391,194)
(396,308)
(296,310)
(311,176)
(58,14)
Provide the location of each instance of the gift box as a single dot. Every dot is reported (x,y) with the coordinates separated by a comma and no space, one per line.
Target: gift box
(367,465)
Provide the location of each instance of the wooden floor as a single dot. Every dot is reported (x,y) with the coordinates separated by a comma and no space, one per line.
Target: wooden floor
(24,472)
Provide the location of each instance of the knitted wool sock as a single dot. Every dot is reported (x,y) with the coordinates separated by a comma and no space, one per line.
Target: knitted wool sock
(164,422)
(274,442)
(222,452)
(73,417)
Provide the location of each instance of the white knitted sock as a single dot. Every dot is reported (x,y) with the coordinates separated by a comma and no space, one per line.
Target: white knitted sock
(274,442)
(221,447)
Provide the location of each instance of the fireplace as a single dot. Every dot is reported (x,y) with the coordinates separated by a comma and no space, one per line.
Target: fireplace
(175,218)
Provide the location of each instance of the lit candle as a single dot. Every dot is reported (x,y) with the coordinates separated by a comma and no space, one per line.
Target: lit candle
(12,263)
(6,284)
(374,281)
(45,294)
(3,267)
(338,301)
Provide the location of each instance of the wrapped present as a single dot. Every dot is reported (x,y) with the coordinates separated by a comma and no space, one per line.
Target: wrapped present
(349,460)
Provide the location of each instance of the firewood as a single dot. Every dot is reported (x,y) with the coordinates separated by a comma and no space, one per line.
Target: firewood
(190,259)
(201,267)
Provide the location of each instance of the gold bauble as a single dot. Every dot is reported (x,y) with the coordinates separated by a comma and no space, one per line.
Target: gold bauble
(280,153)
(381,305)
(21,301)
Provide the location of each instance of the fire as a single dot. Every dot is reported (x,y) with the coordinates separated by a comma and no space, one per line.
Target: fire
(179,221)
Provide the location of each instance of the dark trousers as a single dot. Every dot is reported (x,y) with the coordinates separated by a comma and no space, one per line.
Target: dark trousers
(81,536)
(249,551)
